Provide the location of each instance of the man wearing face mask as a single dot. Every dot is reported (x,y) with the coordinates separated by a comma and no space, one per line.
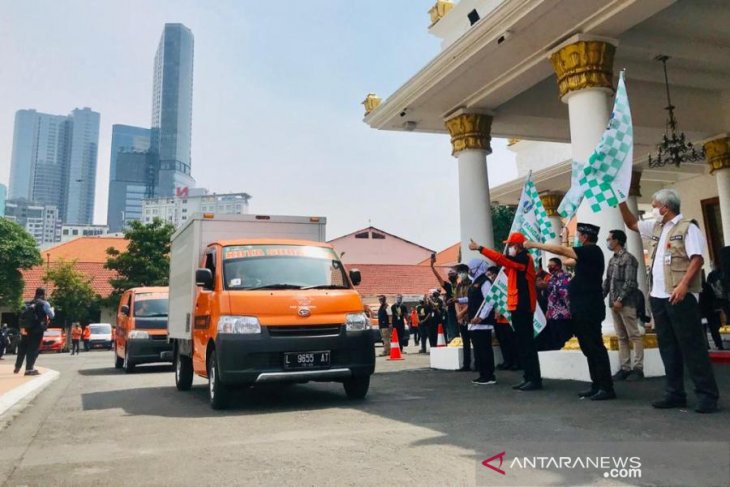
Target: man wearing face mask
(398,312)
(451,326)
(621,286)
(386,329)
(521,302)
(676,246)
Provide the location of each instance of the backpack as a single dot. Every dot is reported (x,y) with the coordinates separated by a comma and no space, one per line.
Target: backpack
(33,316)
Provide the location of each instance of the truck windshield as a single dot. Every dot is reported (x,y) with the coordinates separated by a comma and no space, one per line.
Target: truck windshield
(252,267)
(150,305)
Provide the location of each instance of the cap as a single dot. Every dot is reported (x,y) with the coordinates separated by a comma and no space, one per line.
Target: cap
(515,238)
(588,229)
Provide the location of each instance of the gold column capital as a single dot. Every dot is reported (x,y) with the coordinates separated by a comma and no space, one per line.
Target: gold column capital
(371,102)
(717,153)
(551,201)
(584,64)
(470,131)
(635,188)
(439,11)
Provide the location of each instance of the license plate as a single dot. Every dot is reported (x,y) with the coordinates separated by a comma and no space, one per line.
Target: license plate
(306,360)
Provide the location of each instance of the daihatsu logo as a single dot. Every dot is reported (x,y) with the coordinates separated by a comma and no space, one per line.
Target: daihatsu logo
(304,312)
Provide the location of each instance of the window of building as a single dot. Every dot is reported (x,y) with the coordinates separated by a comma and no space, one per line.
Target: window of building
(362,235)
(378,236)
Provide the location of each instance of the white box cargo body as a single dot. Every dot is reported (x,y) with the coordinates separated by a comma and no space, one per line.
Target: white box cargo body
(190,241)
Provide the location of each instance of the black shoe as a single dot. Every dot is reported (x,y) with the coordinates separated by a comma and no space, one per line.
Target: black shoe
(621,374)
(483,382)
(706,408)
(587,393)
(464,369)
(670,403)
(32,372)
(502,366)
(515,367)
(531,386)
(603,395)
(634,375)
(518,386)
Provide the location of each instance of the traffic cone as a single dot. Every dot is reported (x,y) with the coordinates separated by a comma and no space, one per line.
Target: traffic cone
(441,342)
(394,347)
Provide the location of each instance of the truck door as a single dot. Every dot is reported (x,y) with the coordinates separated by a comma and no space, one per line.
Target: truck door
(123,324)
(202,325)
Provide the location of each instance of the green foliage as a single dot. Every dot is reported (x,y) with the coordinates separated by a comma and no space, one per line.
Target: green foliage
(73,296)
(18,251)
(146,262)
(502,216)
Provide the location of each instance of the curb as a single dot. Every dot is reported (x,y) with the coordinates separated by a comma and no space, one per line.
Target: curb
(27,391)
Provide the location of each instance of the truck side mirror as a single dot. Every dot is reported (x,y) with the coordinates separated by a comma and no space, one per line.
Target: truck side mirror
(204,278)
(355,277)
(125,310)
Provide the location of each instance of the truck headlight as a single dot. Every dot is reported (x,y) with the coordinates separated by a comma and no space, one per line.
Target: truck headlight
(357,322)
(239,325)
(138,335)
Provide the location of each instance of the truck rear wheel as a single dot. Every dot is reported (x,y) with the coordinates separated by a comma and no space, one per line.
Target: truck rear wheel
(183,371)
(357,387)
(217,392)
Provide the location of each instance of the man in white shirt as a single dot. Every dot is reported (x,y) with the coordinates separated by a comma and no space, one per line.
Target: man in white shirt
(676,249)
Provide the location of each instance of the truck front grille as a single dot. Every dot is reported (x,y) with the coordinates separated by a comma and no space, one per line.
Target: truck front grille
(304,331)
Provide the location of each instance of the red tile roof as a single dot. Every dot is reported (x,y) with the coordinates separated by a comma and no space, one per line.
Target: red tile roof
(396,279)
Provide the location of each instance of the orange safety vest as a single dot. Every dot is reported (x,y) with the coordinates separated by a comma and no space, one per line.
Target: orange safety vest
(76,333)
(414,318)
(87,333)
(511,268)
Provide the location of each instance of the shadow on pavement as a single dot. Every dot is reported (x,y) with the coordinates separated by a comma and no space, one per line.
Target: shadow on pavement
(145,369)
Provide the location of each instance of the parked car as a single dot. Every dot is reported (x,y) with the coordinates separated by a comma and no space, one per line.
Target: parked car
(54,340)
(101,335)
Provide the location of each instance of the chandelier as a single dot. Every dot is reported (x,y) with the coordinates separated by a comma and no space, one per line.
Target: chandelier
(674,148)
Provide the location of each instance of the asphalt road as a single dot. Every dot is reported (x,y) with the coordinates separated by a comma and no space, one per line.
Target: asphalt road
(96,425)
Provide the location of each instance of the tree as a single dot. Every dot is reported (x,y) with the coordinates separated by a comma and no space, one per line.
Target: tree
(502,217)
(18,250)
(146,262)
(73,296)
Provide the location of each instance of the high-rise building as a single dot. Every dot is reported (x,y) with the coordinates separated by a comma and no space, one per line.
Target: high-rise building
(128,180)
(54,161)
(172,109)
(41,221)
(3,197)
(178,209)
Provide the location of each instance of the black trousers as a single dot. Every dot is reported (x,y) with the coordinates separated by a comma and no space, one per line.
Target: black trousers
(466,343)
(483,353)
(507,343)
(423,331)
(522,323)
(682,343)
(587,330)
(433,329)
(74,347)
(416,335)
(402,338)
(28,348)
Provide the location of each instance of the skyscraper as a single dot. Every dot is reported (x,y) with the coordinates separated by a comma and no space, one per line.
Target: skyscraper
(3,197)
(53,161)
(130,165)
(172,109)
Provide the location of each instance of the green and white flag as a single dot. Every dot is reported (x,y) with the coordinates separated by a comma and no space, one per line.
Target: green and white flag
(605,179)
(532,221)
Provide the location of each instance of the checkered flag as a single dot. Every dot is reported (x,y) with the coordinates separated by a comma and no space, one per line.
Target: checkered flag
(573,198)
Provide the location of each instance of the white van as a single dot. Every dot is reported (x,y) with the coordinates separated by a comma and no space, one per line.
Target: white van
(101,335)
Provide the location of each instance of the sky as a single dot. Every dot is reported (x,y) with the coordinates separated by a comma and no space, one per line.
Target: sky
(277,99)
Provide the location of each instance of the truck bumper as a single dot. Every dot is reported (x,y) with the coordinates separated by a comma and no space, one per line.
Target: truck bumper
(247,359)
(147,351)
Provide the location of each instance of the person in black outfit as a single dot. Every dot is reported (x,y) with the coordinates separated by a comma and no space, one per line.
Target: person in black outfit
(386,329)
(398,311)
(505,334)
(481,323)
(587,307)
(449,286)
(710,312)
(30,342)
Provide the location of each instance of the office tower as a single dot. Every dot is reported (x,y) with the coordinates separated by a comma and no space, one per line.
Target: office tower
(127,181)
(3,197)
(172,109)
(82,167)
(41,221)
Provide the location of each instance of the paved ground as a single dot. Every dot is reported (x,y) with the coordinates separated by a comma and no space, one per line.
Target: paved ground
(417,427)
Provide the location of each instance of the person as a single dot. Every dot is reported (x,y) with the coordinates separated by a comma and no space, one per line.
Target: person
(86,337)
(676,246)
(413,321)
(586,307)
(521,303)
(437,316)
(465,281)
(424,321)
(30,342)
(504,333)
(481,322)
(710,313)
(386,329)
(75,338)
(717,281)
(559,320)
(398,311)
(3,339)
(621,287)
(448,286)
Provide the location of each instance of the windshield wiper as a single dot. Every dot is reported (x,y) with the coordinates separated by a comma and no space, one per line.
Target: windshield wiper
(274,286)
(327,286)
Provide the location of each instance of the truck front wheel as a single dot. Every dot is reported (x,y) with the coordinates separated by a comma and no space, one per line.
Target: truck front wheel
(183,371)
(357,387)
(217,391)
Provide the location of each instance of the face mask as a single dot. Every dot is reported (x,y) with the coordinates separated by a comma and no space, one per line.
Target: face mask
(512,251)
(657,214)
(577,242)
(609,245)
(452,278)
(399,300)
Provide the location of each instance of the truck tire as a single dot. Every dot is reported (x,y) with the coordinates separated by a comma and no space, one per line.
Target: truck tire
(118,361)
(217,392)
(128,365)
(357,387)
(183,371)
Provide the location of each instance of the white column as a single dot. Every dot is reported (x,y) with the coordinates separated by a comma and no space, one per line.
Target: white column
(475,216)
(584,70)
(551,202)
(718,157)
(470,140)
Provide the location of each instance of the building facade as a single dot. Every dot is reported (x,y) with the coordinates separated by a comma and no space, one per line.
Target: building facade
(178,209)
(3,197)
(41,221)
(172,109)
(70,232)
